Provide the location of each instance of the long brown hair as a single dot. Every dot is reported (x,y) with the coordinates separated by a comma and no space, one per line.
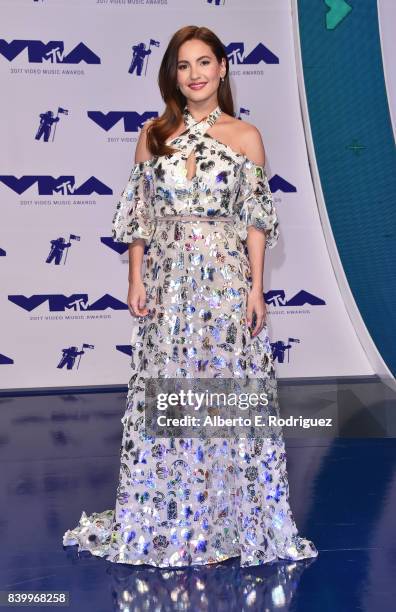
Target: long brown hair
(163,126)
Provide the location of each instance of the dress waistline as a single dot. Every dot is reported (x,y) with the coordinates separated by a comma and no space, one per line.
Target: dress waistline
(193,218)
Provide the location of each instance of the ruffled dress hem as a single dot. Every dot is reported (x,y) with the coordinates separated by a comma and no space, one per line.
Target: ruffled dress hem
(94,534)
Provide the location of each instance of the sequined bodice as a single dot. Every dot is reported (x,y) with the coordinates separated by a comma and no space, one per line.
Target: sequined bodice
(226,186)
(214,186)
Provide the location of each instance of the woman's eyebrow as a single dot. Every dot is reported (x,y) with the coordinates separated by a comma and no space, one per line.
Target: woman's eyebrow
(198,58)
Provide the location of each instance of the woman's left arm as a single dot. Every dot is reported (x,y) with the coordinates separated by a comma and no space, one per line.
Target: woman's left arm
(256,303)
(255,211)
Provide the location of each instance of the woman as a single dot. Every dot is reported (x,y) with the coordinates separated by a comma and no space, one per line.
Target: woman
(198,196)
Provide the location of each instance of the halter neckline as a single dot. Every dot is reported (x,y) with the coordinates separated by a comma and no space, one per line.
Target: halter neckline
(204,123)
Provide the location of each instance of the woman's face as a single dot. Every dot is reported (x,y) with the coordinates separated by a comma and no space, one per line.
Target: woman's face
(198,71)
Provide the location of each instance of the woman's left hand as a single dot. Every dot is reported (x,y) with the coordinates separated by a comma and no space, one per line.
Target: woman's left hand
(256,304)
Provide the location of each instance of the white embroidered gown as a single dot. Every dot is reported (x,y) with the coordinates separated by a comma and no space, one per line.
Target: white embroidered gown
(185,501)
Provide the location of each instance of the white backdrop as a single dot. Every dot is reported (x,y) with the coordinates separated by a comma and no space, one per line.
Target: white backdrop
(74,56)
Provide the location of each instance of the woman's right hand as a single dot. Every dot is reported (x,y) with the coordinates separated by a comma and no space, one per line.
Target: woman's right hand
(137,299)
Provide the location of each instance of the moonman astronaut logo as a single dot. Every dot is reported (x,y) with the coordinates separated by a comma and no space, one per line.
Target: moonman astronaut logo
(47,121)
(60,246)
(139,52)
(280,347)
(70,354)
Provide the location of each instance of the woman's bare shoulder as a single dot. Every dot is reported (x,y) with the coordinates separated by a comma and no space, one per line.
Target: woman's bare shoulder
(249,138)
(253,146)
(239,125)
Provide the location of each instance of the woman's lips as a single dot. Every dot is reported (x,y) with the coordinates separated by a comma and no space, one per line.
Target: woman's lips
(197,86)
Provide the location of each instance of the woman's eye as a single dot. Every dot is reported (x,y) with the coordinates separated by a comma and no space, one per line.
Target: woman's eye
(181,66)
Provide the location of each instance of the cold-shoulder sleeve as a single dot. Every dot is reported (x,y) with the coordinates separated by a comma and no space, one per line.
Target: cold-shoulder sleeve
(134,214)
(254,204)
